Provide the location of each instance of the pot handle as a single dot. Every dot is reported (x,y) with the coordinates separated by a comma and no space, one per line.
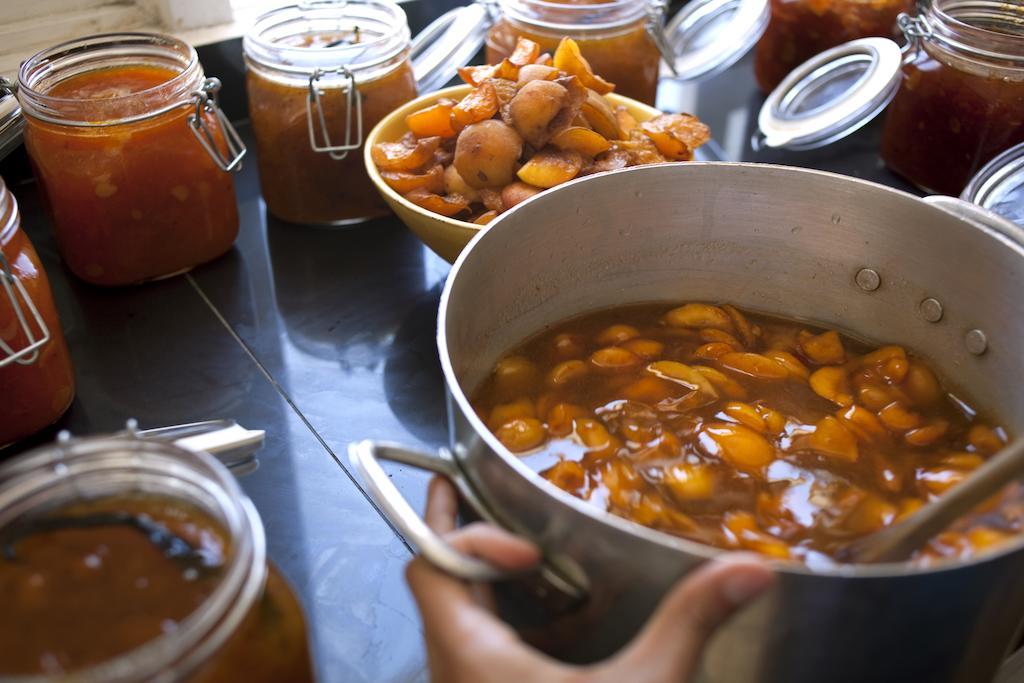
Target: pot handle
(972,213)
(366,456)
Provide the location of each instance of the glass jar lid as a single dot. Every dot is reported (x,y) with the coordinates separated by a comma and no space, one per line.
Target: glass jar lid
(999,186)
(706,37)
(832,95)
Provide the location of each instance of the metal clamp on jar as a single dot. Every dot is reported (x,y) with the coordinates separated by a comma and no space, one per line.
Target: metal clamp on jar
(36,378)
(954,93)
(133,154)
(623,40)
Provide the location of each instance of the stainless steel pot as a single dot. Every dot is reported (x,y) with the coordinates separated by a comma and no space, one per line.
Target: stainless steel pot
(939,275)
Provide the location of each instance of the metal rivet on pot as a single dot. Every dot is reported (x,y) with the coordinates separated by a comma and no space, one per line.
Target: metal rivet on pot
(931,310)
(868,279)
(976,342)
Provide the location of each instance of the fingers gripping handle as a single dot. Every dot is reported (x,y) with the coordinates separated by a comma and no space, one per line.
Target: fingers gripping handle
(365,457)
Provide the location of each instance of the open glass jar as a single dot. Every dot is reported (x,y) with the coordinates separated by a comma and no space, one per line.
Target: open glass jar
(954,93)
(625,41)
(133,155)
(800,29)
(131,561)
(319,77)
(613,36)
(37,382)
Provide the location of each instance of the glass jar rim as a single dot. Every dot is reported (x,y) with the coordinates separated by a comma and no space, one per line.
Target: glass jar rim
(87,51)
(602,16)
(949,24)
(110,465)
(304,61)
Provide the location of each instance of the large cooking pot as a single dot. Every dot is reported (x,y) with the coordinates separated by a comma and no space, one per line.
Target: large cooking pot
(938,275)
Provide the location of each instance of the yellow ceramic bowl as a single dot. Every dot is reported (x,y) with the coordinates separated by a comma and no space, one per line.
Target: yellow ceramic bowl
(446,236)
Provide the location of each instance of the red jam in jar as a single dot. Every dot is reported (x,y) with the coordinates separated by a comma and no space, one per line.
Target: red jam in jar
(37,382)
(136,192)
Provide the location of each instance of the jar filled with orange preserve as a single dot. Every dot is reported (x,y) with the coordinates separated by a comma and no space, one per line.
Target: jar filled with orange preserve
(319,77)
(961,99)
(125,560)
(133,155)
(36,379)
(613,35)
(800,29)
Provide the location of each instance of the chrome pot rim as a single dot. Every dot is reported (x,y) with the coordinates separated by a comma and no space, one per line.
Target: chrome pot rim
(1013,237)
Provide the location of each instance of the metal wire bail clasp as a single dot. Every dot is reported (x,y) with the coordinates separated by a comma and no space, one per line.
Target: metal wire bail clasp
(915,29)
(21,304)
(353,103)
(657,10)
(206,103)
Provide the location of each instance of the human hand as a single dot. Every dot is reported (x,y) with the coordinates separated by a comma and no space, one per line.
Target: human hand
(467,643)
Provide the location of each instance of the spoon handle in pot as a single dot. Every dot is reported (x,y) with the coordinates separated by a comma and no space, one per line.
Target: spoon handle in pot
(898,542)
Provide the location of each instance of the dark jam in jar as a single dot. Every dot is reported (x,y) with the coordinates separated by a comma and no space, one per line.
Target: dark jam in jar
(955,111)
(801,29)
(90,581)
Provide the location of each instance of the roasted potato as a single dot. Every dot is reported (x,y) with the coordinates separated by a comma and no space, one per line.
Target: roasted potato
(487,153)
(534,108)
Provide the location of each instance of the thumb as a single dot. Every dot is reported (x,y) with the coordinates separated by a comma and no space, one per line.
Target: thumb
(670,646)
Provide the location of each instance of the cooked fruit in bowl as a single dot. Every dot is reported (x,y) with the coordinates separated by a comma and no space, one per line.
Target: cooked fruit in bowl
(528,124)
